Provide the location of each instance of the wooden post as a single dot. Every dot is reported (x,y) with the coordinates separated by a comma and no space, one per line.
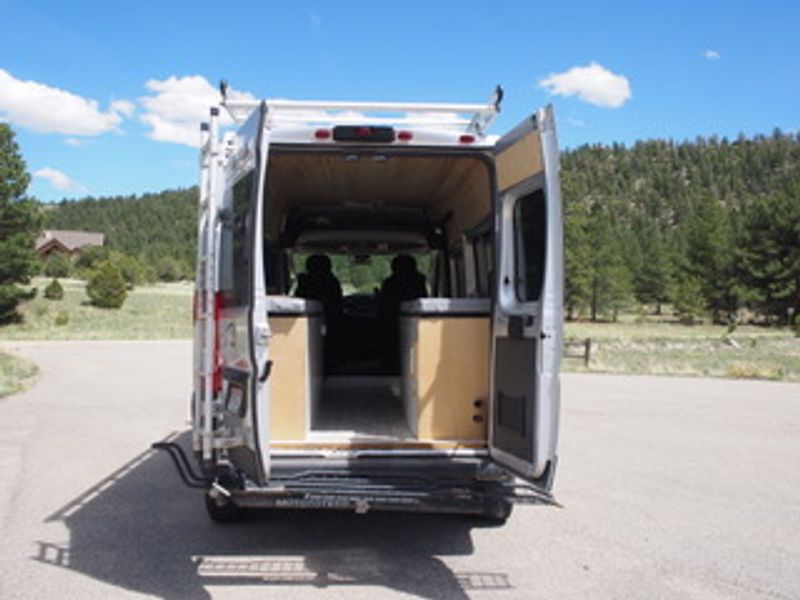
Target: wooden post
(587,351)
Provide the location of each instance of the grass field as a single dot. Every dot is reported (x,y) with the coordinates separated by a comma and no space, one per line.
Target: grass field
(670,348)
(162,311)
(13,373)
(654,345)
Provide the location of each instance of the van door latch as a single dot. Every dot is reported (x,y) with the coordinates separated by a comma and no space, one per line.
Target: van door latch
(262,334)
(265,373)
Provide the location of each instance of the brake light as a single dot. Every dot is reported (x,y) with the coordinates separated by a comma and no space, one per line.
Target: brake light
(466,139)
(405,136)
(363,134)
(322,134)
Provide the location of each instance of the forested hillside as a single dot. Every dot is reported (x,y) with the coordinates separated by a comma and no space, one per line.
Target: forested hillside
(150,227)
(710,226)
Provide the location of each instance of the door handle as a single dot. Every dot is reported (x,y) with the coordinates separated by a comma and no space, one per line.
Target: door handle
(265,372)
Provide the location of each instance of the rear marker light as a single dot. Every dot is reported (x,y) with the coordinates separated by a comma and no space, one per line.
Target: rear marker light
(322,134)
(405,136)
(364,132)
(216,380)
(466,139)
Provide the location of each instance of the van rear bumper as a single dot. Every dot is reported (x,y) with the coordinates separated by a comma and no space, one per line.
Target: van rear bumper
(441,485)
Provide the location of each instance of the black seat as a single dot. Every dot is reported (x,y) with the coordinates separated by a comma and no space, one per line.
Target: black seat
(319,283)
(405,283)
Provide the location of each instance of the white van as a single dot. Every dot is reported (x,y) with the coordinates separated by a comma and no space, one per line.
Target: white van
(441,399)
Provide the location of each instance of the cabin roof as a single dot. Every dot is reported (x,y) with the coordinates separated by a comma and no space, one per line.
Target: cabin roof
(70,239)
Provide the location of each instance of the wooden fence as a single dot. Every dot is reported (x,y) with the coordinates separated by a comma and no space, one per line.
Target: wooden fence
(579,349)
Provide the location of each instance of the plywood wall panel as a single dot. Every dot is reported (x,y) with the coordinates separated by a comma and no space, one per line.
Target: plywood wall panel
(451,368)
(519,161)
(289,342)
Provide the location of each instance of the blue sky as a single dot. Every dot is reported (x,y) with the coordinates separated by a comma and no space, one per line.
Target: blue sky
(95,92)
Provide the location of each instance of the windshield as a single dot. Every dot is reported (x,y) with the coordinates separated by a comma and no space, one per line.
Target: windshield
(362,274)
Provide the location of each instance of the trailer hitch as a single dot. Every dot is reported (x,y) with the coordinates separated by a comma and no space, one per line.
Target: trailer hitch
(182,465)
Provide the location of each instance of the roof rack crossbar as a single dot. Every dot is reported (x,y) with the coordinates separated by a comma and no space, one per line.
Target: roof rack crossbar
(477,119)
(359,120)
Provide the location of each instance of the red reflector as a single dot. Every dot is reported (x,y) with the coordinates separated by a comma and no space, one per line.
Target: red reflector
(466,139)
(195,307)
(405,136)
(322,134)
(216,380)
(364,132)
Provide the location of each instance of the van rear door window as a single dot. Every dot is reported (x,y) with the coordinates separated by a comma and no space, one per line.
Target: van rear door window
(530,232)
(235,259)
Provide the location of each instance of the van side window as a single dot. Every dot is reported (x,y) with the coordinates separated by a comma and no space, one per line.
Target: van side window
(529,245)
(235,259)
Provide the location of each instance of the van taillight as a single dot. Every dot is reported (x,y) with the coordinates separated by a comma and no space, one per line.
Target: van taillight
(405,136)
(466,139)
(216,379)
(322,134)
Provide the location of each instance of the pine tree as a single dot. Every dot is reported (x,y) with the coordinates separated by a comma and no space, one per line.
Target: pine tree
(654,278)
(19,225)
(611,280)
(688,297)
(54,290)
(577,259)
(711,256)
(107,287)
(770,254)
(58,264)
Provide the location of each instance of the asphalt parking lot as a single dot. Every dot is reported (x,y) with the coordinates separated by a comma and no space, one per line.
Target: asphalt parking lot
(672,488)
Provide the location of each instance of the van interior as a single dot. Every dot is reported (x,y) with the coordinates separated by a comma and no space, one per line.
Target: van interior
(379,271)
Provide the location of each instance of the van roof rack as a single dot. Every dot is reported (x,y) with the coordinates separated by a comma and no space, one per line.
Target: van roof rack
(471,118)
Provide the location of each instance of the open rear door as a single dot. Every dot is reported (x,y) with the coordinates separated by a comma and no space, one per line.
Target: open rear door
(528,314)
(244,329)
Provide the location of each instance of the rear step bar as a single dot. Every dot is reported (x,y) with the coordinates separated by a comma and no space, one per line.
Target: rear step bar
(362,490)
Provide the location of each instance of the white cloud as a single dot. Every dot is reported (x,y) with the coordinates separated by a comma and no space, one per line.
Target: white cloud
(576,122)
(46,109)
(712,54)
(593,84)
(76,142)
(123,107)
(178,105)
(59,180)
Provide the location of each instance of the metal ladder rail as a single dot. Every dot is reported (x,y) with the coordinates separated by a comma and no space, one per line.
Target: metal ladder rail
(206,279)
(198,309)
